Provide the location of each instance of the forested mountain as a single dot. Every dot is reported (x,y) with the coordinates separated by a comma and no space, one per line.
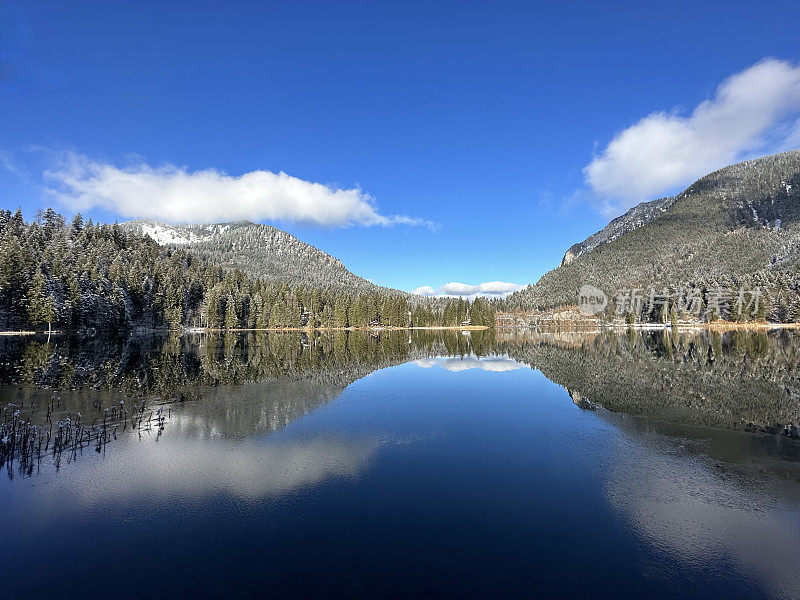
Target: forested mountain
(260,251)
(737,228)
(82,276)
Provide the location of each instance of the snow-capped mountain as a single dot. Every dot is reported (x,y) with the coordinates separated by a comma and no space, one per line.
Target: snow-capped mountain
(259,250)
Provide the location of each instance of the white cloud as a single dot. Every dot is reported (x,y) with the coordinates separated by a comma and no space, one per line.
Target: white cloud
(424,290)
(177,195)
(753,112)
(454,289)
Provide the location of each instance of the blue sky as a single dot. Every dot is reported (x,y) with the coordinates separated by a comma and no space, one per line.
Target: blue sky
(423,143)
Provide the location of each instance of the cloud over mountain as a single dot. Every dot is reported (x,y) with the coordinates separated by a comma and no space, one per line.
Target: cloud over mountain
(754,111)
(177,195)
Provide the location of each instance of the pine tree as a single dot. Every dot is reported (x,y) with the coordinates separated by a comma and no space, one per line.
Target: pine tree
(231,318)
(327,317)
(41,304)
(212,309)
(359,315)
(77,225)
(255,313)
(340,310)
(278,316)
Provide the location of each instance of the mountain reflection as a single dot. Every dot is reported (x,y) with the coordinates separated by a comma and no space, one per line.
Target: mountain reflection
(172,365)
(249,383)
(736,380)
(739,380)
(255,383)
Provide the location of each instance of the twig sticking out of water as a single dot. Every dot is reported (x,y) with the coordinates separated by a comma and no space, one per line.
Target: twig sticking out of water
(28,443)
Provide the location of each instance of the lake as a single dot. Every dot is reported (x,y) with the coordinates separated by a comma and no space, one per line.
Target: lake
(397,464)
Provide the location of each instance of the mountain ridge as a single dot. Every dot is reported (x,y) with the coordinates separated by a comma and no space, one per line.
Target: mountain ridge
(735,227)
(260,251)
(647,211)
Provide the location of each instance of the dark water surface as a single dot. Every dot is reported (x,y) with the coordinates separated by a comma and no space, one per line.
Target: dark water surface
(430,465)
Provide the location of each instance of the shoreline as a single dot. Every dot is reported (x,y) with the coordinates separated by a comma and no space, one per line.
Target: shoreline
(569,318)
(714,326)
(194,330)
(310,329)
(562,326)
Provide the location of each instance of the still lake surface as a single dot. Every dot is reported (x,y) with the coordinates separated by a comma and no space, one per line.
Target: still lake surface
(442,464)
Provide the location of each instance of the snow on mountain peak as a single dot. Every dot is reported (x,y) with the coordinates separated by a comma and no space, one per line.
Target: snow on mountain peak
(167,235)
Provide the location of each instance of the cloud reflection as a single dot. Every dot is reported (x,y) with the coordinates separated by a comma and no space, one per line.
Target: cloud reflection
(496,364)
(192,467)
(687,508)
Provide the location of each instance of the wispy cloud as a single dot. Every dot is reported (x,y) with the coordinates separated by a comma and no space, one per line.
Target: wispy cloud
(753,112)
(8,163)
(454,289)
(178,195)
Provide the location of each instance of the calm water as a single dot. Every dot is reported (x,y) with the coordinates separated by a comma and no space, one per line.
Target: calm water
(447,465)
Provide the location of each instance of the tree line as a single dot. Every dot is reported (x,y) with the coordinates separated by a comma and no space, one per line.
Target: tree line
(82,275)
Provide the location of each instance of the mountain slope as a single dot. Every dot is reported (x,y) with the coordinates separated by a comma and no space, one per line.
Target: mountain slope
(260,251)
(633,219)
(739,226)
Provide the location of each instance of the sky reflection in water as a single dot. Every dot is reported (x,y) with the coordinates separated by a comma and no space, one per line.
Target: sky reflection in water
(441,475)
